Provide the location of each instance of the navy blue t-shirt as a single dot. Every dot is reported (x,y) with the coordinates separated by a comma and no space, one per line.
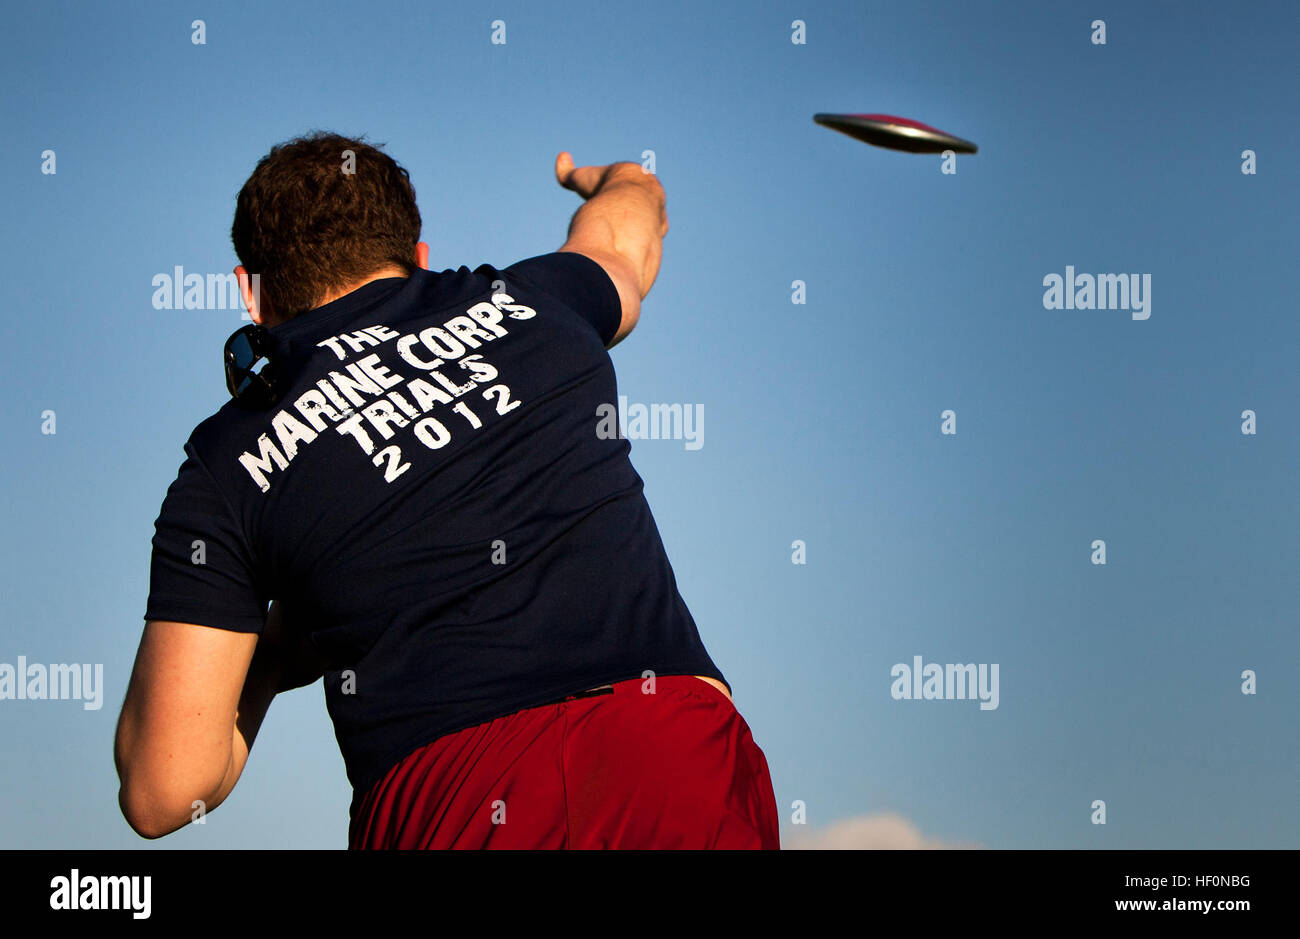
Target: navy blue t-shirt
(439,503)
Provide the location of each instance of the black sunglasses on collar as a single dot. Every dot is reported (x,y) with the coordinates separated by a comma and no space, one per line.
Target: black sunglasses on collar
(247,346)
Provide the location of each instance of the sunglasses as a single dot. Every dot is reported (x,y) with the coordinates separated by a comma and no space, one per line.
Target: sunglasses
(246,347)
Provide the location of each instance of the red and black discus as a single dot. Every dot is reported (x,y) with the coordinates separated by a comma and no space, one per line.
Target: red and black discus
(896,133)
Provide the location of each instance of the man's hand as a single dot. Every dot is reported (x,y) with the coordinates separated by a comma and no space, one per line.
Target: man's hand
(586,181)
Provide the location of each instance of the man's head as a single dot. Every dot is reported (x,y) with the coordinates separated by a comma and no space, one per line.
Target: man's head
(321,215)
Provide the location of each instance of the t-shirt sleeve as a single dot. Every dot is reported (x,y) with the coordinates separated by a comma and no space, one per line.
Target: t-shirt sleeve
(579,283)
(201,570)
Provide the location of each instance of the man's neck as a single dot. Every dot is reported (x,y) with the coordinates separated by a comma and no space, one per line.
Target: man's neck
(391,271)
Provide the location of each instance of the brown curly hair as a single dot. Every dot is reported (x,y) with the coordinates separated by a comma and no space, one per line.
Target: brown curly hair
(309,227)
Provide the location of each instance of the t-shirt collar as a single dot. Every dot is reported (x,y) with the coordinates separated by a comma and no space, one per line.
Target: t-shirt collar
(322,318)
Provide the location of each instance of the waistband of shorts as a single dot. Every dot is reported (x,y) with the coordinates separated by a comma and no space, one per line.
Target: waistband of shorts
(635,685)
(589,693)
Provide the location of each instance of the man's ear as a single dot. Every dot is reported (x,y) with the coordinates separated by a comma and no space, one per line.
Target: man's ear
(422,255)
(250,290)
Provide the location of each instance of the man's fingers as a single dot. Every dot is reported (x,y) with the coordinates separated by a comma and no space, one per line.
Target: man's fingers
(563,167)
(581,180)
(584,180)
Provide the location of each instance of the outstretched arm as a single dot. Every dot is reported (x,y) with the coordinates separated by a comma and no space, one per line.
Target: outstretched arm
(621,227)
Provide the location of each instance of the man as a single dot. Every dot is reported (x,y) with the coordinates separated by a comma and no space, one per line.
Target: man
(420,485)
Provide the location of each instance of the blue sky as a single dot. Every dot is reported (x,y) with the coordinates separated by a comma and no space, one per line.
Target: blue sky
(924,292)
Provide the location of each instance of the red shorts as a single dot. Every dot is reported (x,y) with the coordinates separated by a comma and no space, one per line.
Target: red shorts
(617,768)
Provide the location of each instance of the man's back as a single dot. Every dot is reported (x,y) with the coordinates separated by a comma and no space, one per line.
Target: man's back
(437,501)
(428,479)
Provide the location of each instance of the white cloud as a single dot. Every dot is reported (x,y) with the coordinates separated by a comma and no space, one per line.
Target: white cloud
(866,832)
